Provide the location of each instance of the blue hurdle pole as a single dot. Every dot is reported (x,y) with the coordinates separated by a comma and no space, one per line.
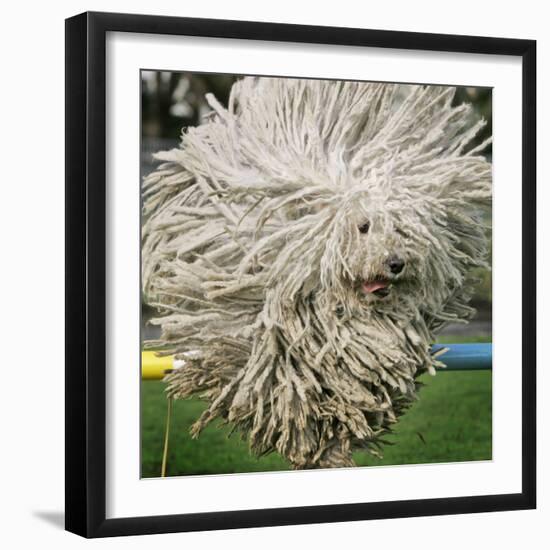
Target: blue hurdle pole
(466,356)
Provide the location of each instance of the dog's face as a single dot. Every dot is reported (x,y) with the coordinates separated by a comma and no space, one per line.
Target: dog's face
(383,262)
(393,248)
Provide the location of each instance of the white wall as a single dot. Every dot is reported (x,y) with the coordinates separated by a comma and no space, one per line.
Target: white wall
(31,272)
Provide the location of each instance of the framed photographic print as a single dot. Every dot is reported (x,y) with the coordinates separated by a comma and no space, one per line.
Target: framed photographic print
(300,274)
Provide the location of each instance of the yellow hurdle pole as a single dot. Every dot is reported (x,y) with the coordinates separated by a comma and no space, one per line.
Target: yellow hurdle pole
(154,367)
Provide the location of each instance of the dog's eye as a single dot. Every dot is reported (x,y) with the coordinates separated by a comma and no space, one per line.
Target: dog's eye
(364,228)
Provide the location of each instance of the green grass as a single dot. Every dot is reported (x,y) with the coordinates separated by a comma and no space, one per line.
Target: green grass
(451,422)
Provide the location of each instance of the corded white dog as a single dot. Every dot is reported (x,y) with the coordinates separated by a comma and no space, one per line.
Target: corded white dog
(306,243)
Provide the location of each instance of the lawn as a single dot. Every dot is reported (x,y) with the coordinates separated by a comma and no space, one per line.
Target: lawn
(451,422)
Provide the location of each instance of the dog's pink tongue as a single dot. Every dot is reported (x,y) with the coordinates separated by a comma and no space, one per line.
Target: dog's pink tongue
(374,286)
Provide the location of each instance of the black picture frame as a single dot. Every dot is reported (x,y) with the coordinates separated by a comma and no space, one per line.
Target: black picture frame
(86,269)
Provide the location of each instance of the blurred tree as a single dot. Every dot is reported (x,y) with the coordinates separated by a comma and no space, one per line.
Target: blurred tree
(171,101)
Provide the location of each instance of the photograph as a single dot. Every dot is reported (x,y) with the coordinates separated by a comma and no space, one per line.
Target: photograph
(287,269)
(316,273)
(302,266)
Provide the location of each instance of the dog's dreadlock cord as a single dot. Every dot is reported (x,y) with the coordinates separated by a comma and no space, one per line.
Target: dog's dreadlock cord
(166,437)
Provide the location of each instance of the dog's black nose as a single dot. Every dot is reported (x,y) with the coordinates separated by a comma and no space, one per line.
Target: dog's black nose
(396,265)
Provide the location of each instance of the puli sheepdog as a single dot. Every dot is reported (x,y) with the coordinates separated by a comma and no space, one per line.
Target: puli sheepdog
(302,247)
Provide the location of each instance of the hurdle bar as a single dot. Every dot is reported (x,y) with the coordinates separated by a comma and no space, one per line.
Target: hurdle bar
(458,357)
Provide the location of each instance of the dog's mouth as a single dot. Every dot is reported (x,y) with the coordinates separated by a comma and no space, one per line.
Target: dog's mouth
(377,287)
